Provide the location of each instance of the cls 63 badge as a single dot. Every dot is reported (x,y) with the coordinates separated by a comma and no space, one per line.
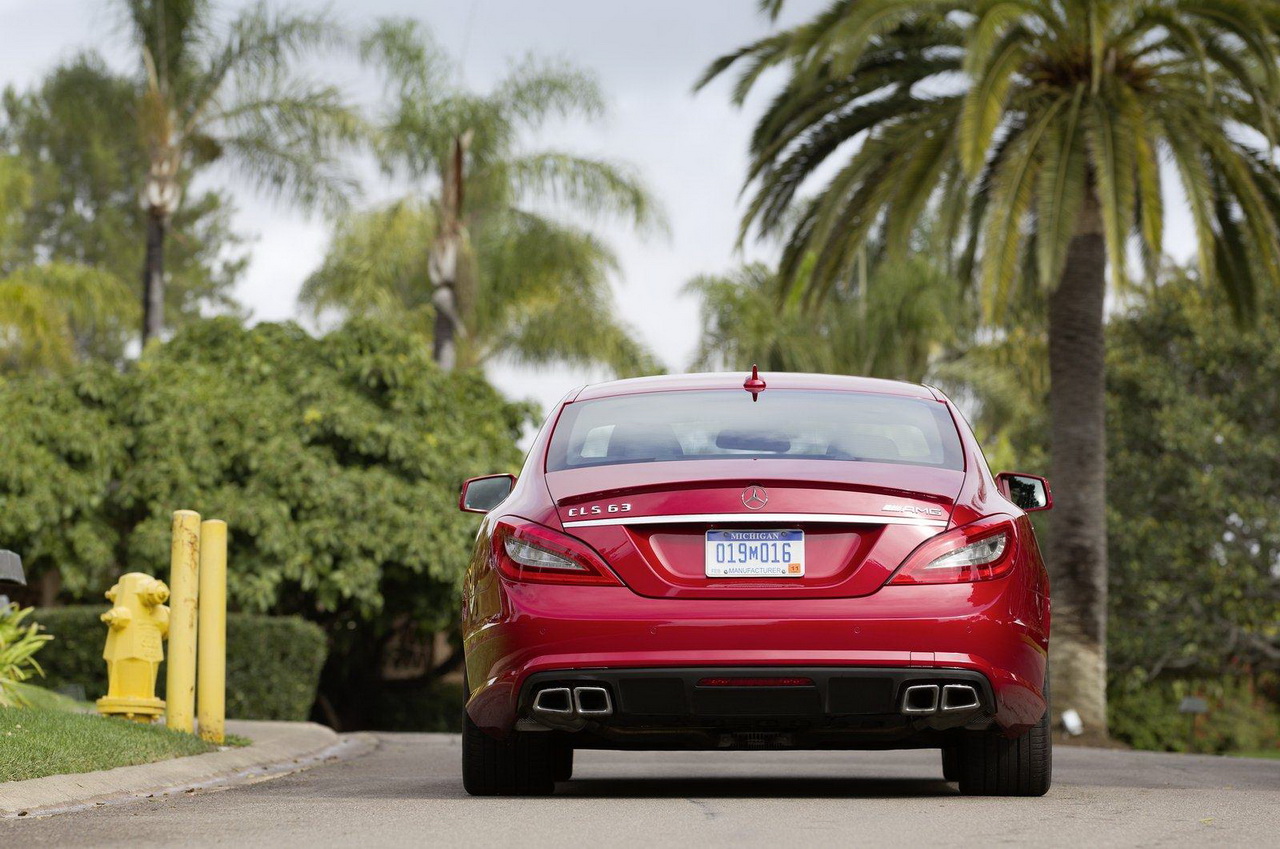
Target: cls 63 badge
(598,510)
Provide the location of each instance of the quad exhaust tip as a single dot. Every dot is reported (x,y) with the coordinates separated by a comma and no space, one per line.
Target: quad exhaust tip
(919,699)
(556,700)
(925,699)
(956,697)
(592,701)
(579,701)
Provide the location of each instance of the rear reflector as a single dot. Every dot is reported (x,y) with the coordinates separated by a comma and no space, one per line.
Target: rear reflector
(755,682)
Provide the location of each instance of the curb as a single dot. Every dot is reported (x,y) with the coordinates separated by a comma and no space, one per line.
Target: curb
(278,748)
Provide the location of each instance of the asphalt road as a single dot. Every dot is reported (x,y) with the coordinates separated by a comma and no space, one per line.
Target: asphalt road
(408,793)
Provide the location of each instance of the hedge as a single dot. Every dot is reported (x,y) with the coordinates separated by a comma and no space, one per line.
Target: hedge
(273,662)
(1240,718)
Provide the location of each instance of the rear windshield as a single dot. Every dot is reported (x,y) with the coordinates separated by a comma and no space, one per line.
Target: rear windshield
(723,424)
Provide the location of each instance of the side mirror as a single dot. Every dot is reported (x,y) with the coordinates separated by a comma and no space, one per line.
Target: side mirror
(480,495)
(11,569)
(1030,492)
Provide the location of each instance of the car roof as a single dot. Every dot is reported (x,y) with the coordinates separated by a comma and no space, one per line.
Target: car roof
(734,380)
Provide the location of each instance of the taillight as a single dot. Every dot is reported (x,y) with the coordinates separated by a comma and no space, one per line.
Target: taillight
(526,551)
(979,551)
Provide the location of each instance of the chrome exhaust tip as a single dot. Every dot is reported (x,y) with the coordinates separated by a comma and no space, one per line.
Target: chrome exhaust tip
(920,699)
(592,701)
(956,697)
(553,700)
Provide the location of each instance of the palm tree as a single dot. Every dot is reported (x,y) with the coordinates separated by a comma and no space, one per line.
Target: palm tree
(893,326)
(489,242)
(83,165)
(1036,130)
(215,94)
(541,287)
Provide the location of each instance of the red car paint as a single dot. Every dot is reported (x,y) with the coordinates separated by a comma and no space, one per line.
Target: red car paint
(655,609)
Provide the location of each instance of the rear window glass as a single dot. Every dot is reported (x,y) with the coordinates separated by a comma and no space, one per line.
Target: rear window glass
(723,424)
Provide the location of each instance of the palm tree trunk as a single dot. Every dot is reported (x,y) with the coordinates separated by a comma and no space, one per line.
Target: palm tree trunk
(1077,545)
(446,255)
(443,266)
(153,277)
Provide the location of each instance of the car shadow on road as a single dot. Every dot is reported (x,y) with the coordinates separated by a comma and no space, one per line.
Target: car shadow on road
(763,788)
(773,787)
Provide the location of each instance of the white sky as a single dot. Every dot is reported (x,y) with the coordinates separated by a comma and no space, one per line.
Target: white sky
(690,149)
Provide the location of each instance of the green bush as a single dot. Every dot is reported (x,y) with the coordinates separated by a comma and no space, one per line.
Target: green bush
(1239,720)
(273,662)
(273,666)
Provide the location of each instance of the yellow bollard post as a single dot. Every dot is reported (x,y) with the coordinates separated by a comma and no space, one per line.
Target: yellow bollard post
(184,584)
(211,683)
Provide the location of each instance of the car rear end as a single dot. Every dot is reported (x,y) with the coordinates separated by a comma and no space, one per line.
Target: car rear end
(696,567)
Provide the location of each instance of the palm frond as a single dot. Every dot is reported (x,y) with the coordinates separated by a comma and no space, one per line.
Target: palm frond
(1064,101)
(288,138)
(258,42)
(591,187)
(536,90)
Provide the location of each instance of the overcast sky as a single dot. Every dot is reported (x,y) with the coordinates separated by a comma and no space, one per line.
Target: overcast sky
(690,149)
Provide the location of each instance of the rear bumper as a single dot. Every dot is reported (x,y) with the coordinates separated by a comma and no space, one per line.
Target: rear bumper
(539,633)
(753,707)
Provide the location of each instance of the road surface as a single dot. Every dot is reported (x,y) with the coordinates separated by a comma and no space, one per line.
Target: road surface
(408,793)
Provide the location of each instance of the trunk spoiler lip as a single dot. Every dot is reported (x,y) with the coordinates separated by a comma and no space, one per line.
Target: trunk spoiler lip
(940,495)
(760,518)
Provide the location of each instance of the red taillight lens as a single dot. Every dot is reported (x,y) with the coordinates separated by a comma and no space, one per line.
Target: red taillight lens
(979,551)
(528,552)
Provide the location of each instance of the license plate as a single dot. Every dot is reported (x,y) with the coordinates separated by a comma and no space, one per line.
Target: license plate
(755,554)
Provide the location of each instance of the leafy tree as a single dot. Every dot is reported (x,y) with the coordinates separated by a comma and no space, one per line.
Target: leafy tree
(52,313)
(1036,130)
(892,327)
(335,461)
(60,453)
(228,95)
(15,198)
(1194,489)
(82,167)
(479,262)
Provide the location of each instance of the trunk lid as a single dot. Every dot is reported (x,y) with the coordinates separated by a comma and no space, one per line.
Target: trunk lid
(649,520)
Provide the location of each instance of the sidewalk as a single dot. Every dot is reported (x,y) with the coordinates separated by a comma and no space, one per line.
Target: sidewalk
(278,748)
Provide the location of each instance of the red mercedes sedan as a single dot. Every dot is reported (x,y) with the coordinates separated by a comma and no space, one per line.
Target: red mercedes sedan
(807,562)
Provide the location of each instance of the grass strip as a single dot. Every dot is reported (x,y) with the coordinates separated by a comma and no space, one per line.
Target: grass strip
(35,742)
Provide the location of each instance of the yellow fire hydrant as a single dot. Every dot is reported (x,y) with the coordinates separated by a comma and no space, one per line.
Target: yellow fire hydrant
(137,625)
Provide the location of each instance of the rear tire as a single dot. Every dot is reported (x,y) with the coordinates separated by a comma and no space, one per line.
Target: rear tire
(521,765)
(993,765)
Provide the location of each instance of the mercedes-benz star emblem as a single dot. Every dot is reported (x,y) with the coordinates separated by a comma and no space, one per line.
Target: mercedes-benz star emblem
(754,497)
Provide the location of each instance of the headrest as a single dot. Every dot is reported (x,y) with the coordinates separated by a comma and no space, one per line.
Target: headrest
(643,441)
